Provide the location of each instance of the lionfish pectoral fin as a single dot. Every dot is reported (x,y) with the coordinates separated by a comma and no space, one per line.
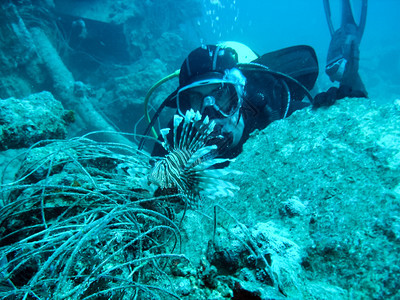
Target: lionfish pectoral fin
(197,157)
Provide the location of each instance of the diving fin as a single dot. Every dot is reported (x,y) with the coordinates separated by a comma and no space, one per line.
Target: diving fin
(299,62)
(343,53)
(347,17)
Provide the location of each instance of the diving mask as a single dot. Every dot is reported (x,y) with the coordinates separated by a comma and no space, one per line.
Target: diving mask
(219,95)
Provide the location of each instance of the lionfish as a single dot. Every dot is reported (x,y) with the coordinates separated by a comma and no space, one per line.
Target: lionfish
(190,165)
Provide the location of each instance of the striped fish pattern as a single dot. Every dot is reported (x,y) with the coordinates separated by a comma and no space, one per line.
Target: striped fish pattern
(189,165)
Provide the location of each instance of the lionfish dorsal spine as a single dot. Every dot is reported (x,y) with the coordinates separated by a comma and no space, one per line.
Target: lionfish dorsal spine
(187,129)
(164,132)
(188,140)
(202,134)
(177,121)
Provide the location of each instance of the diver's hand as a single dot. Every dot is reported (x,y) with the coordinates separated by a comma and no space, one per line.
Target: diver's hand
(329,97)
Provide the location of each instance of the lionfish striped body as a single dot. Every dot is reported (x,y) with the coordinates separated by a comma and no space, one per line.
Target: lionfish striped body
(189,164)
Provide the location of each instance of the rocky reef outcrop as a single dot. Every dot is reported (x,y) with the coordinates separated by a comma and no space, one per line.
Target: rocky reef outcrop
(26,121)
(317,214)
(329,179)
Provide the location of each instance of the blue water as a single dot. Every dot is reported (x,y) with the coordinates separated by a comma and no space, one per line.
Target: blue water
(270,25)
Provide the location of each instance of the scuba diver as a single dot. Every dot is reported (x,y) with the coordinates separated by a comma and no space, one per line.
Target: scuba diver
(242,91)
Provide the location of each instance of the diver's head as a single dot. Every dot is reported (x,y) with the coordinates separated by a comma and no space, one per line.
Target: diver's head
(208,61)
(210,83)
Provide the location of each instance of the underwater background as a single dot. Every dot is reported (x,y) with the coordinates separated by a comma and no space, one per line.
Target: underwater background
(309,210)
(267,26)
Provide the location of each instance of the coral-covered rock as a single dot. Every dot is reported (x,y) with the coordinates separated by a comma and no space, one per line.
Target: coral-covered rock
(24,122)
(343,163)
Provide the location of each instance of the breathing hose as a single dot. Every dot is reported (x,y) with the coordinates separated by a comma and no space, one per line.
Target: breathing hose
(150,92)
